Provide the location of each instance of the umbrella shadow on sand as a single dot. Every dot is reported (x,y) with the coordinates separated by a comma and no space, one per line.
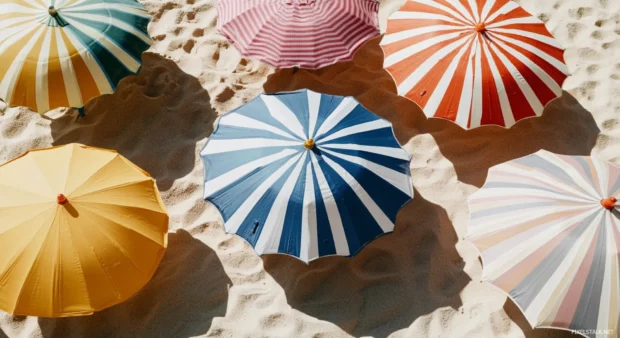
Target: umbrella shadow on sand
(142,118)
(565,127)
(388,284)
(188,290)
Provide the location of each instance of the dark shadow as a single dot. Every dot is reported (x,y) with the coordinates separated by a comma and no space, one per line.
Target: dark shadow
(2,334)
(142,117)
(391,282)
(188,290)
(517,316)
(71,210)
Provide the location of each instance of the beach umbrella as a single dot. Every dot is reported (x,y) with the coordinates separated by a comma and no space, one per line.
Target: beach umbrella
(473,62)
(81,229)
(298,33)
(306,174)
(548,229)
(62,53)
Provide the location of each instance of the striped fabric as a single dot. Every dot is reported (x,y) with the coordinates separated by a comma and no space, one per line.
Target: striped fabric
(62,53)
(301,33)
(547,240)
(474,62)
(306,174)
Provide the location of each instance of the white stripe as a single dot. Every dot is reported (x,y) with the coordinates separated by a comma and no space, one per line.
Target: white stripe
(476,107)
(78,7)
(69,77)
(538,37)
(428,64)
(385,151)
(344,108)
(416,48)
(14,71)
(42,83)
(474,9)
(462,114)
(10,36)
(218,183)
(379,216)
(504,102)
(309,243)
(507,8)
(21,23)
(531,97)
(314,104)
(234,119)
(271,233)
(438,95)
(542,75)
(132,64)
(13,8)
(448,10)
(232,226)
(530,48)
(486,9)
(406,34)
(101,80)
(279,111)
(610,250)
(577,252)
(515,21)
(602,171)
(421,16)
(333,215)
(114,22)
(463,10)
(393,177)
(223,146)
(356,129)
(585,185)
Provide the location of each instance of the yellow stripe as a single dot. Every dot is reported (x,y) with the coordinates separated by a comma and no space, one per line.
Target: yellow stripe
(9,55)
(25,90)
(56,83)
(86,82)
(28,4)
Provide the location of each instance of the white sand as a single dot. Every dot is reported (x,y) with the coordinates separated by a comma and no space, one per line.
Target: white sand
(421,281)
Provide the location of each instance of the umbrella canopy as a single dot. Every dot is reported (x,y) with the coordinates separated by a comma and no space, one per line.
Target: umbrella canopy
(82,229)
(548,229)
(301,33)
(306,174)
(62,53)
(474,62)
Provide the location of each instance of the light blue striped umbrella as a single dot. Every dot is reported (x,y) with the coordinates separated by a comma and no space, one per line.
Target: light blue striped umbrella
(306,174)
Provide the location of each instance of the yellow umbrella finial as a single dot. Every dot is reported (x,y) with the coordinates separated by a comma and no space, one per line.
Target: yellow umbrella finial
(309,144)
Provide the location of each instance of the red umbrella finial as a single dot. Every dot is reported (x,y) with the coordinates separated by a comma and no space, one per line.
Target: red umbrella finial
(609,203)
(61,199)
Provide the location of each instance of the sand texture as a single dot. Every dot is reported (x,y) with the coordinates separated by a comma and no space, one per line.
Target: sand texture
(421,281)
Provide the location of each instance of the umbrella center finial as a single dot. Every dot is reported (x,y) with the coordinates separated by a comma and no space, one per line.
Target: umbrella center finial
(480,27)
(309,144)
(609,203)
(61,199)
(52,11)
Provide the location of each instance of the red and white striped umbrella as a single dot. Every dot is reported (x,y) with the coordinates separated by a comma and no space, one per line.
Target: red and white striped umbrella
(474,62)
(298,33)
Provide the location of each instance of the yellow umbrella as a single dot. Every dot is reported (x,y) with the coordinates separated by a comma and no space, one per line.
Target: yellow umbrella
(81,229)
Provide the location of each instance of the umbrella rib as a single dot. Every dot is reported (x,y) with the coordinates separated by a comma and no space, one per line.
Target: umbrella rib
(68,193)
(122,185)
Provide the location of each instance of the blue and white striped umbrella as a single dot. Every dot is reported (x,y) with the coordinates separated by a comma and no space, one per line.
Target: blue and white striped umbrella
(306,174)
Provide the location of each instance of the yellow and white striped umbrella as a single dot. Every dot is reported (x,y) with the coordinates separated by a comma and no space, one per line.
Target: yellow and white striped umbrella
(62,53)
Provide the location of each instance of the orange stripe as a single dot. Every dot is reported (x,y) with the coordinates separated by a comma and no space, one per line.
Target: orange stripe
(498,4)
(11,52)
(519,272)
(86,82)
(411,6)
(25,90)
(514,14)
(470,10)
(567,310)
(449,5)
(396,26)
(491,106)
(449,105)
(56,84)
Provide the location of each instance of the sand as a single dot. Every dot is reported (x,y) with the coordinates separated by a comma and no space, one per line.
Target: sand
(421,281)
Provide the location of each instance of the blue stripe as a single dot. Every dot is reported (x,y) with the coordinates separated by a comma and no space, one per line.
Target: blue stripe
(328,104)
(356,117)
(297,102)
(290,241)
(391,198)
(359,225)
(251,228)
(114,70)
(535,161)
(324,236)
(221,163)
(136,21)
(395,164)
(229,199)
(128,42)
(257,110)
(226,132)
(380,138)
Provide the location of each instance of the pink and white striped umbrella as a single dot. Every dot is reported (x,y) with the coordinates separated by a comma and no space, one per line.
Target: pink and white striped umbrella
(298,33)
